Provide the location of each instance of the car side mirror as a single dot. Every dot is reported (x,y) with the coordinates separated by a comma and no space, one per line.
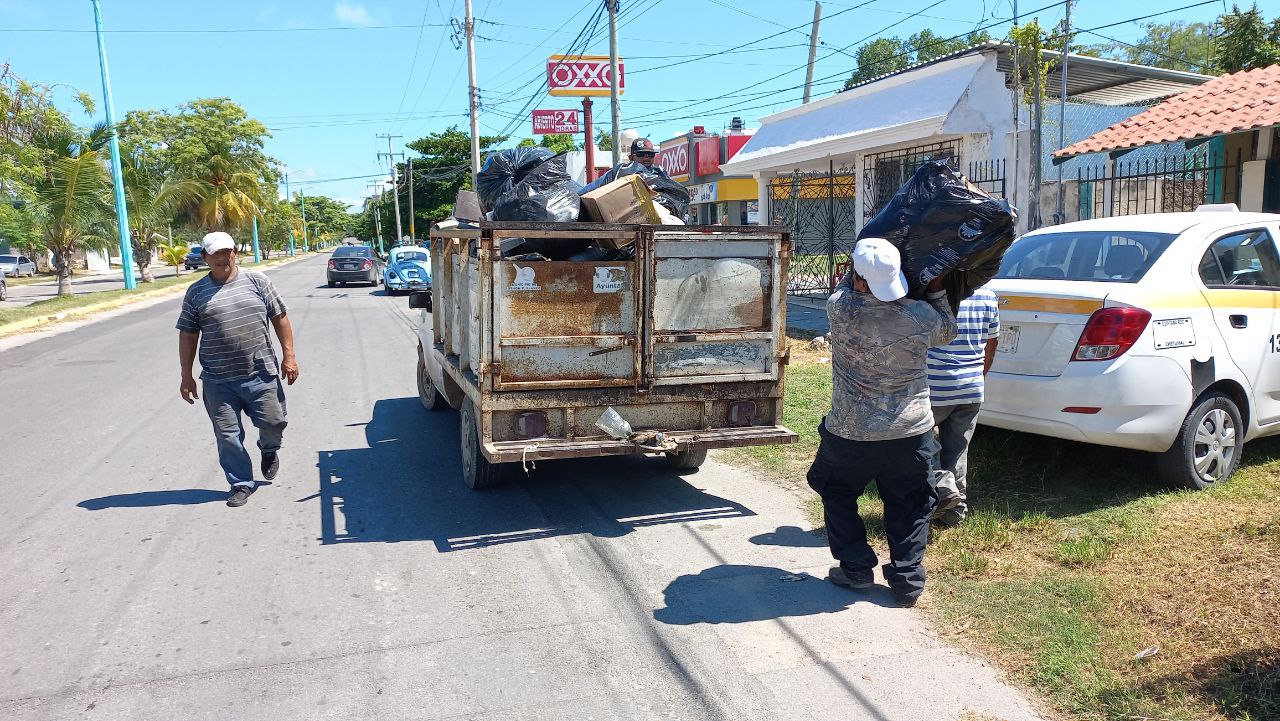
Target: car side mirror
(420,300)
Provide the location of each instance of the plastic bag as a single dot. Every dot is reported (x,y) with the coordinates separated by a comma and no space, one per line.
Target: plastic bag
(544,193)
(504,169)
(943,224)
(672,195)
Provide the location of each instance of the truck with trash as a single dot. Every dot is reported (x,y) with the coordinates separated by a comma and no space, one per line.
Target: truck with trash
(569,322)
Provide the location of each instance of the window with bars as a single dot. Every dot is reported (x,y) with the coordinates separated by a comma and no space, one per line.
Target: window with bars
(884,173)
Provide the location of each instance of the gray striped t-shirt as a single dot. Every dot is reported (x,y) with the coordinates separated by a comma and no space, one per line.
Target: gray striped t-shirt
(232,320)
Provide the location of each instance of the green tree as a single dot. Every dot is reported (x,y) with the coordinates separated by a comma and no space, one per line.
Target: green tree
(1245,40)
(604,140)
(229,197)
(69,199)
(554,142)
(441,169)
(927,45)
(173,255)
(879,57)
(1176,46)
(187,140)
(277,220)
(153,198)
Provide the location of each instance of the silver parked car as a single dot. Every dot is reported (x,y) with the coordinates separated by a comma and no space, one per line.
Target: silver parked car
(16,266)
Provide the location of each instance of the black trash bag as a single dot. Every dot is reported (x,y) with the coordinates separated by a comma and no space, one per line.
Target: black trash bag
(504,169)
(544,193)
(672,195)
(942,223)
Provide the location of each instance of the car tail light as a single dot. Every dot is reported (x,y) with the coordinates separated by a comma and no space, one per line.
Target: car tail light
(532,424)
(742,413)
(1110,332)
(1083,410)
(368,264)
(333,265)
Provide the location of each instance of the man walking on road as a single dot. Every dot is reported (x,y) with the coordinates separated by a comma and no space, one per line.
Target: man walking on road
(227,313)
(957,373)
(880,427)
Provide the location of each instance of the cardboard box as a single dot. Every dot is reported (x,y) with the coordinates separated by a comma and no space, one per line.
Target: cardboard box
(625,200)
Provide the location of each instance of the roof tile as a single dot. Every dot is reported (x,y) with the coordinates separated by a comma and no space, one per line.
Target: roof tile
(1231,103)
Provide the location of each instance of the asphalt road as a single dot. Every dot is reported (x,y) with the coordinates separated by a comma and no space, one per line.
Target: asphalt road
(368,583)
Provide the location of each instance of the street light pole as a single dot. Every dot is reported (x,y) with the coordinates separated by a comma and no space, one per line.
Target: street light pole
(287,199)
(117,180)
(302,198)
(257,255)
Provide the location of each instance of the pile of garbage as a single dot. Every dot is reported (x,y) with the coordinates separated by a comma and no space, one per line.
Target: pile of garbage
(942,223)
(533,184)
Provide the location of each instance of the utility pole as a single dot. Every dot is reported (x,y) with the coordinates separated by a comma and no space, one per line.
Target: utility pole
(302,198)
(288,198)
(117,180)
(395,190)
(813,51)
(377,213)
(257,255)
(613,5)
(412,238)
(1062,116)
(474,94)
(590,142)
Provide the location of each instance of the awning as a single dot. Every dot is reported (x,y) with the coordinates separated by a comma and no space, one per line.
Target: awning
(913,104)
(1228,104)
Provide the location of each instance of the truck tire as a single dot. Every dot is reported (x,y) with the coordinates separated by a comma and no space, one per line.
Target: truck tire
(477,472)
(687,460)
(431,398)
(1207,449)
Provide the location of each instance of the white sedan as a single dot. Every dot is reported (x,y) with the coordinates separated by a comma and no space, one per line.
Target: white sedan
(1154,332)
(16,266)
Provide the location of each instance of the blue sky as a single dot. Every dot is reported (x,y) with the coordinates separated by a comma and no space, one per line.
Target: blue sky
(327,76)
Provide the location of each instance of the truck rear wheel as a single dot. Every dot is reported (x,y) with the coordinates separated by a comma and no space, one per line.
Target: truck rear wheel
(477,472)
(687,460)
(430,396)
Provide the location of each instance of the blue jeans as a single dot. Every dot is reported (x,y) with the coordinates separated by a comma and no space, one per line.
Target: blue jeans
(262,399)
(901,471)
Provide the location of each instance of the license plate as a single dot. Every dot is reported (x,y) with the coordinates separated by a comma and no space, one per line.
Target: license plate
(1009,339)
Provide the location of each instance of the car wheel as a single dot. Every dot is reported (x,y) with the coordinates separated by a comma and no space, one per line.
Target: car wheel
(477,472)
(331,284)
(687,460)
(430,396)
(4,292)
(1207,449)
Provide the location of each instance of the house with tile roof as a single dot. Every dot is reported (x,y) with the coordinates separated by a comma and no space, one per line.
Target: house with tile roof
(1235,116)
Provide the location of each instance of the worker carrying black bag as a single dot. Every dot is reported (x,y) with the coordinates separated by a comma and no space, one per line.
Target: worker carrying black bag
(942,223)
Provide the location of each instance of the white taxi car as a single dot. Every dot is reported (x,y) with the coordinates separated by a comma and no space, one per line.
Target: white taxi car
(1154,332)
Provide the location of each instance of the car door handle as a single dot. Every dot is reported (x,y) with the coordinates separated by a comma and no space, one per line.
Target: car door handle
(1239,321)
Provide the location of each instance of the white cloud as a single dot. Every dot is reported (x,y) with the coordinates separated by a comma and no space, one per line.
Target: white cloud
(356,14)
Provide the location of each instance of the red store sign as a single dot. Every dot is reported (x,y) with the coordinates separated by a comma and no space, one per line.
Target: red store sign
(708,152)
(555,121)
(674,160)
(581,75)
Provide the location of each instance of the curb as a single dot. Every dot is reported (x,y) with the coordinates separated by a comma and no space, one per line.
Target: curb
(20,326)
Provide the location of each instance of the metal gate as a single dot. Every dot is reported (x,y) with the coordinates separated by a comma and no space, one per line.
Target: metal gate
(820,208)
(884,173)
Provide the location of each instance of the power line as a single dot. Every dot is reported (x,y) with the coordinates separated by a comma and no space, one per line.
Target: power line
(205,31)
(413,64)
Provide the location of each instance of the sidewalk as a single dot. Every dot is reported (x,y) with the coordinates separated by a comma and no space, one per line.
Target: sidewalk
(807,316)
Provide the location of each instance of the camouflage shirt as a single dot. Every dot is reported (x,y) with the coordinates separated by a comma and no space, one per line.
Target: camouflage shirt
(879,389)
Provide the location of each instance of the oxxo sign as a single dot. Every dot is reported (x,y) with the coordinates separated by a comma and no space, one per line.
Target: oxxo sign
(674,160)
(581,75)
(555,121)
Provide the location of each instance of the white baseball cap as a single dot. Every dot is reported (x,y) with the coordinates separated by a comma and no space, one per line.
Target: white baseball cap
(878,262)
(216,241)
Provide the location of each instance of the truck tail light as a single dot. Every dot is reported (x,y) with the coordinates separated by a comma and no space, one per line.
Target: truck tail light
(742,413)
(1110,332)
(531,424)
(367,264)
(333,265)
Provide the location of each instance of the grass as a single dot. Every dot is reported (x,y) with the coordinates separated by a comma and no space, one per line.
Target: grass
(70,304)
(1076,557)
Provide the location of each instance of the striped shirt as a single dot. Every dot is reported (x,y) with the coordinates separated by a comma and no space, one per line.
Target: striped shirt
(232,320)
(955,369)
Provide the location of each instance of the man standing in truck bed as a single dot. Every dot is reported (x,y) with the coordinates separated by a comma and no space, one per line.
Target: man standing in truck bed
(880,427)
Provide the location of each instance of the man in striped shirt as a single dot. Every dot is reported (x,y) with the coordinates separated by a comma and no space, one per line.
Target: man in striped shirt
(956,372)
(227,313)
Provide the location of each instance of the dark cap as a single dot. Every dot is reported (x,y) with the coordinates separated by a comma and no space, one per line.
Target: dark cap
(642,145)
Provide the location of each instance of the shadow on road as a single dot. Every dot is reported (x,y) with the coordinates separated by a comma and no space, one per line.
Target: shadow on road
(792,536)
(149,499)
(740,594)
(406,485)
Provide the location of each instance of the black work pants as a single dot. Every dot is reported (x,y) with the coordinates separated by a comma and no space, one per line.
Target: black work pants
(901,471)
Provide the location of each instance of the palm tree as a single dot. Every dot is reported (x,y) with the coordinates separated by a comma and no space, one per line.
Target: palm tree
(230,196)
(69,198)
(174,255)
(153,197)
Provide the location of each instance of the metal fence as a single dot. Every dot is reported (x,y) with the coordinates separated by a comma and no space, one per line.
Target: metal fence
(883,173)
(820,210)
(989,176)
(1174,183)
